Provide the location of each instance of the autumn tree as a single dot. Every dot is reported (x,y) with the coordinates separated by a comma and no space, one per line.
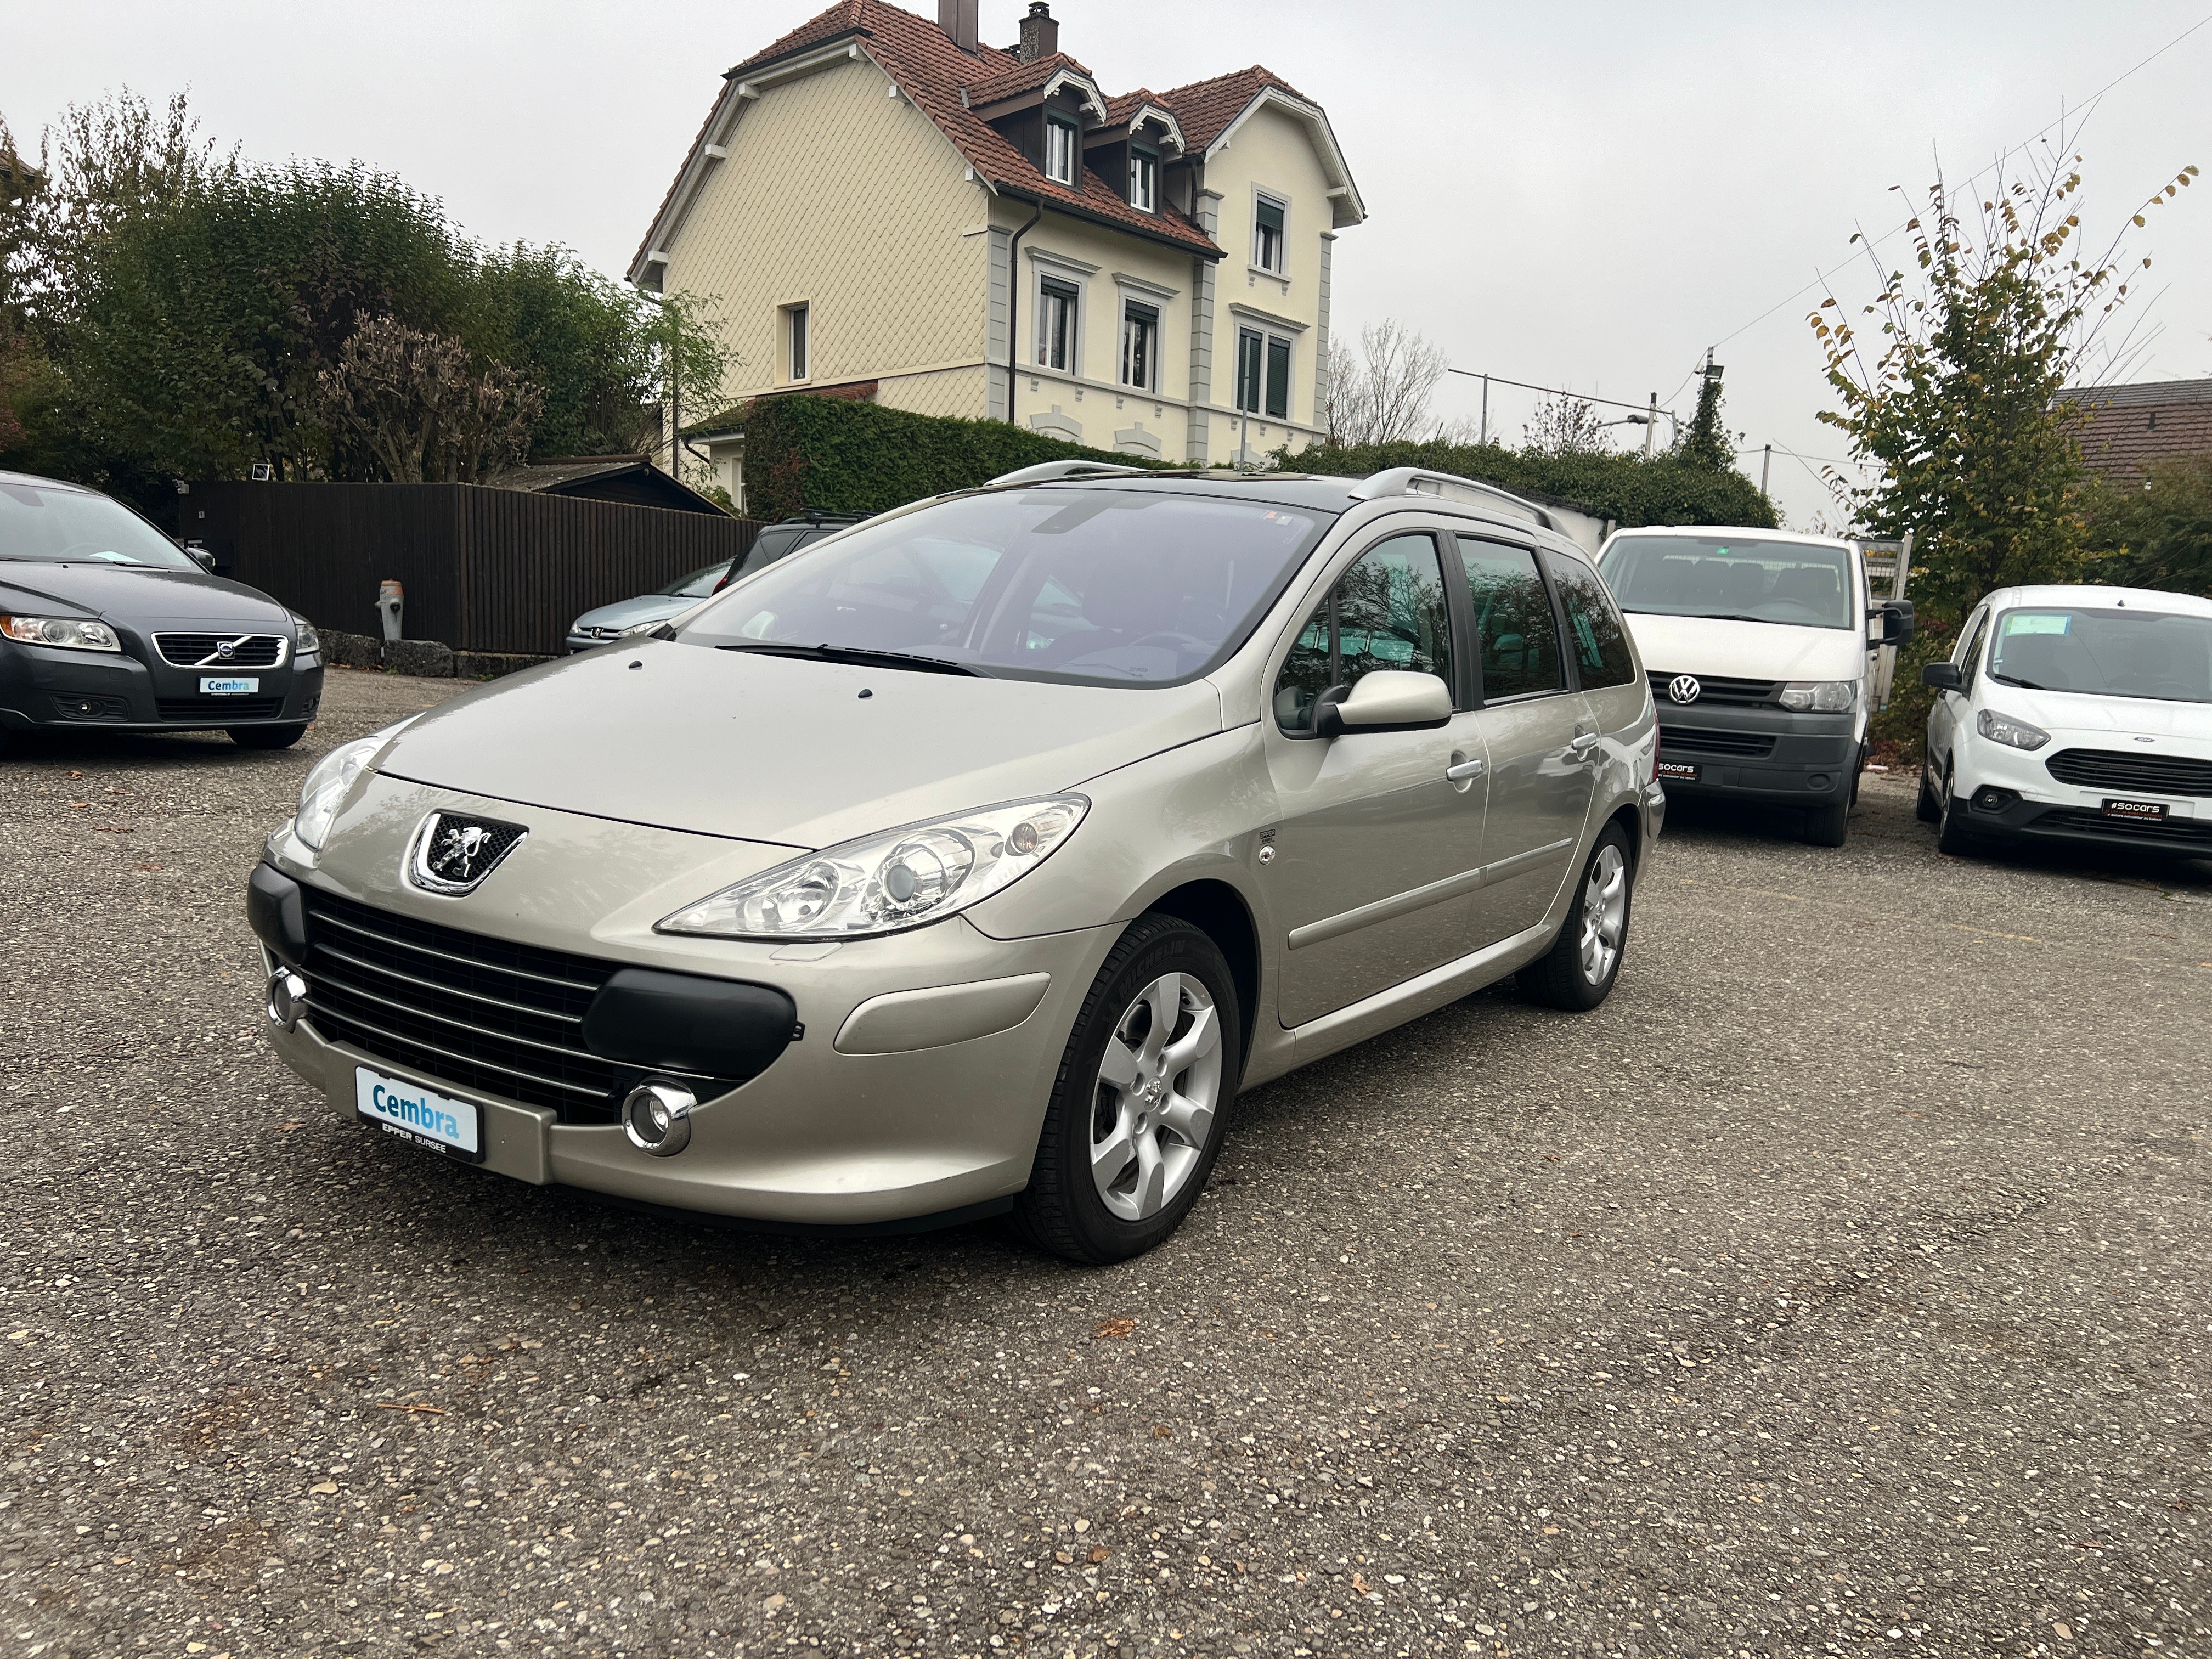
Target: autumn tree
(424,405)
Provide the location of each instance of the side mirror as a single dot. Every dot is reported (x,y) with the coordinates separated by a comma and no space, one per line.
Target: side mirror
(1896,620)
(201,557)
(1943,675)
(1388,700)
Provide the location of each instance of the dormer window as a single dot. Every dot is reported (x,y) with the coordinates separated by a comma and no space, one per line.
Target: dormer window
(1061,149)
(1144,180)
(1268,247)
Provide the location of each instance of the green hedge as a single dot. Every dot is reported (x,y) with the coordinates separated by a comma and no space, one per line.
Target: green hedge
(836,455)
(1626,489)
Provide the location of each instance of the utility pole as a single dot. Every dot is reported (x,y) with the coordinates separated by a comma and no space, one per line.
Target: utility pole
(1650,425)
(1486,409)
(1765,465)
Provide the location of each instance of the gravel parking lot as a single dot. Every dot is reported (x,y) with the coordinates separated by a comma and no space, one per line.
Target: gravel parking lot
(1839,1286)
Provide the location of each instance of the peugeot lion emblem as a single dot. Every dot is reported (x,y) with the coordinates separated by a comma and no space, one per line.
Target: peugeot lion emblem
(453,854)
(1684,688)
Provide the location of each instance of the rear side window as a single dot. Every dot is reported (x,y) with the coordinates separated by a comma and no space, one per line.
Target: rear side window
(1971,644)
(1513,626)
(1596,634)
(1388,610)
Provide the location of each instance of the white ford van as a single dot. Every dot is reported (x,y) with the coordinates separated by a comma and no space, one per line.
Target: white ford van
(1764,662)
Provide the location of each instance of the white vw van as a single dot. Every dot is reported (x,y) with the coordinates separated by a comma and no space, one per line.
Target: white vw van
(1763,662)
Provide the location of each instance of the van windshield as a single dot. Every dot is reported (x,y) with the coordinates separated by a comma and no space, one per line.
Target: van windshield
(1738,579)
(1097,585)
(2110,651)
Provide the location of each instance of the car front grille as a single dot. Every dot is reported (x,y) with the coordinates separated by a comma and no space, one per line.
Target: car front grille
(2181,834)
(215,711)
(2112,768)
(1694,740)
(482,1013)
(205,650)
(1740,693)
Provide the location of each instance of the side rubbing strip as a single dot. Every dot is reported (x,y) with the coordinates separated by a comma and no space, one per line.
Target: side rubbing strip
(1419,898)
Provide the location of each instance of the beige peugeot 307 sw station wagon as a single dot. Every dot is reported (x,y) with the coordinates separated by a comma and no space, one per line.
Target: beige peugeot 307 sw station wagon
(972,860)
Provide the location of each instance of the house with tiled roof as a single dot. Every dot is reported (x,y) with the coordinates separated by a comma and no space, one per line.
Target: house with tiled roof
(2124,431)
(881,205)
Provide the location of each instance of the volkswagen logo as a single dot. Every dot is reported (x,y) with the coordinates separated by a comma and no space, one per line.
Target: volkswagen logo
(1684,688)
(453,854)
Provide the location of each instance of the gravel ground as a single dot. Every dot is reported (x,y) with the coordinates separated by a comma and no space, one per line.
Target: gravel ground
(1830,1290)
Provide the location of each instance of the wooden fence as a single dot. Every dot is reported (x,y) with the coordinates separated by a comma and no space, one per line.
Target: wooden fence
(495,570)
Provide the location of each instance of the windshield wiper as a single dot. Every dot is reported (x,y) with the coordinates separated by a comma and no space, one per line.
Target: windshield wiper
(2025,685)
(860,656)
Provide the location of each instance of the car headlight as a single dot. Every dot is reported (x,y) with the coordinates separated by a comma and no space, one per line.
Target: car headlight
(887,883)
(2004,729)
(329,778)
(64,631)
(1821,696)
(305,639)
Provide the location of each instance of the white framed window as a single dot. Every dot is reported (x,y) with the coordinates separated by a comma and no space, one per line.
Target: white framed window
(1057,303)
(797,347)
(1140,345)
(1144,180)
(1059,150)
(1269,248)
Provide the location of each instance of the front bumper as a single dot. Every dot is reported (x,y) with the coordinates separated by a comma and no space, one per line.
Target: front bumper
(2017,820)
(43,688)
(917,1086)
(1760,754)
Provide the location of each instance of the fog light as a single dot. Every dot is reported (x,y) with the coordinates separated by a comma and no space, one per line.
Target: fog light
(657,1118)
(1818,780)
(1989,798)
(288,999)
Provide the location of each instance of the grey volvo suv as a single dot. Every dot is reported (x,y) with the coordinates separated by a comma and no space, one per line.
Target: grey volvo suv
(974,860)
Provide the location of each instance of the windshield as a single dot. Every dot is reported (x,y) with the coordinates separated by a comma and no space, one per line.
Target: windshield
(696,585)
(1097,585)
(51,526)
(1743,579)
(2116,652)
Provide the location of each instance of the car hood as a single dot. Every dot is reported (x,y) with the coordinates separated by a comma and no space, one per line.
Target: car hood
(628,613)
(780,749)
(2094,717)
(1747,651)
(137,598)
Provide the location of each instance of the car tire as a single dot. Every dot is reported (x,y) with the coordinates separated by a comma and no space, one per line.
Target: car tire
(1925,808)
(1578,973)
(1827,826)
(1951,836)
(1167,1117)
(266,737)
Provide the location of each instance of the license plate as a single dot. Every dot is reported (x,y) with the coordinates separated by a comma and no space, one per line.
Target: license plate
(211,687)
(1681,769)
(414,1113)
(2143,811)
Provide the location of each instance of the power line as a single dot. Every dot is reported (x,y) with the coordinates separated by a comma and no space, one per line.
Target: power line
(1821,277)
(1554,391)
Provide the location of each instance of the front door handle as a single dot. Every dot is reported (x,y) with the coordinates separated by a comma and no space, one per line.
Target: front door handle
(1461,771)
(1583,742)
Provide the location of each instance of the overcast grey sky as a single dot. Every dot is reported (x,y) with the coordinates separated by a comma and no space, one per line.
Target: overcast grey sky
(1583,195)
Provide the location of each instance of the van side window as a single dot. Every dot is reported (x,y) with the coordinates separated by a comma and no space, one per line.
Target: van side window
(1388,610)
(1971,647)
(1513,628)
(1597,635)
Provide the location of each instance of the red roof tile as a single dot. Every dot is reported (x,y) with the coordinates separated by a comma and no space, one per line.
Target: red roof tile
(2124,431)
(921,58)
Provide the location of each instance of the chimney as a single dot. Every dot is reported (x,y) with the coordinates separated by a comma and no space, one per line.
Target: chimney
(957,19)
(1039,33)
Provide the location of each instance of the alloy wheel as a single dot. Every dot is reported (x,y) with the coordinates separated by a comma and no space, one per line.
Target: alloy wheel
(1159,1084)
(1605,913)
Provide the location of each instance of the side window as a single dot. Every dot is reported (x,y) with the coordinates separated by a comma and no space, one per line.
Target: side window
(1388,610)
(1599,638)
(1971,644)
(1513,626)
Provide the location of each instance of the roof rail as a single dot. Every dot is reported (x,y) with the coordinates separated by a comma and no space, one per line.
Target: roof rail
(1046,472)
(1420,481)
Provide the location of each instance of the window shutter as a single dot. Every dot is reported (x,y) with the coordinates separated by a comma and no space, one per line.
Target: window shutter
(1278,378)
